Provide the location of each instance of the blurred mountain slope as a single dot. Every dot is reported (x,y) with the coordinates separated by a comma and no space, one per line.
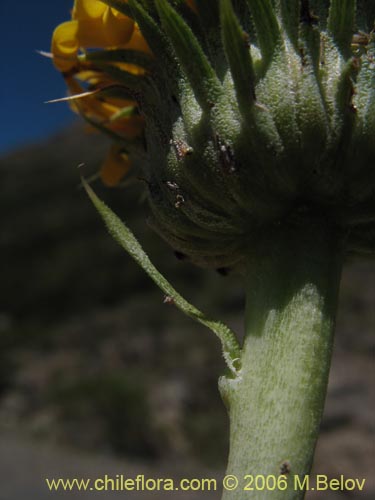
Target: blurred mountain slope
(92,358)
(85,333)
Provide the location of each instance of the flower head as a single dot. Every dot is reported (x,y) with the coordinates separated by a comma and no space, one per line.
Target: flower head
(247,115)
(93,25)
(98,96)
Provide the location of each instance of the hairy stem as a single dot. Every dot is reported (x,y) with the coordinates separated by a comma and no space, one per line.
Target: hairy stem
(276,403)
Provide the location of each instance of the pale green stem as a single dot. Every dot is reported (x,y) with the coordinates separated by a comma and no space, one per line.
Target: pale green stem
(276,403)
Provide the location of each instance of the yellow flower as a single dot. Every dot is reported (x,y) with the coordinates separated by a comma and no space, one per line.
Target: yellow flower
(111,113)
(96,25)
(65,46)
(115,167)
(93,25)
(88,9)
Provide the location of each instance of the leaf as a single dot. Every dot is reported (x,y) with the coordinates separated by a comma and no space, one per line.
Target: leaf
(201,75)
(238,54)
(341,23)
(122,234)
(267,27)
(127,56)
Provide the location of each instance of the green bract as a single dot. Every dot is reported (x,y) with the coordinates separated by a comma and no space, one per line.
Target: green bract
(259,114)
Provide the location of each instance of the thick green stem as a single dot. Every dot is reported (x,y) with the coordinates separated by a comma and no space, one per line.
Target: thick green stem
(276,403)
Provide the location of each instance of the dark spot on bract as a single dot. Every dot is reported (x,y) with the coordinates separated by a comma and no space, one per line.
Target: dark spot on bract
(285,468)
(180,255)
(223,271)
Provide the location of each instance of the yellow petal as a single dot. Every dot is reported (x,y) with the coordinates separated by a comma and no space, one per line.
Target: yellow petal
(96,109)
(120,103)
(90,76)
(88,9)
(131,68)
(93,106)
(137,42)
(65,45)
(95,79)
(115,167)
(91,33)
(118,28)
(128,128)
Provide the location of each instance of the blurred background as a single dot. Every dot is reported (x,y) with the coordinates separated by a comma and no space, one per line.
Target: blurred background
(97,375)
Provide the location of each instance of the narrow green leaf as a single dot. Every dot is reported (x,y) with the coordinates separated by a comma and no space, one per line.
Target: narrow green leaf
(150,30)
(207,29)
(237,50)
(341,23)
(345,88)
(120,55)
(155,38)
(310,38)
(208,13)
(346,115)
(290,13)
(201,75)
(149,6)
(127,240)
(364,97)
(366,15)
(267,27)
(208,10)
(130,81)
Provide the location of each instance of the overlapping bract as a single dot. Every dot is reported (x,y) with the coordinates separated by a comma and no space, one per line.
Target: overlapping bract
(257,113)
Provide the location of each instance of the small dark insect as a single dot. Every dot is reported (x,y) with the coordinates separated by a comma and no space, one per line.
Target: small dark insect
(352,106)
(246,39)
(173,186)
(303,55)
(360,39)
(226,156)
(180,255)
(285,468)
(223,271)
(352,92)
(307,17)
(182,149)
(180,200)
(168,300)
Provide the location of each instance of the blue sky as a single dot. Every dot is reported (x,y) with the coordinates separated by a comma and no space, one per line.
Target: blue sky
(27,79)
